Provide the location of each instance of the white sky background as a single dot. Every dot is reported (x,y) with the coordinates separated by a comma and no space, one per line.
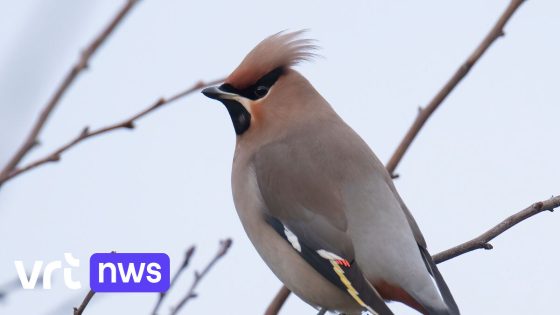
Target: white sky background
(490,150)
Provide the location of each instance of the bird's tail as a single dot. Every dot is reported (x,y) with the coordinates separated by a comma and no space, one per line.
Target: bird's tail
(452,308)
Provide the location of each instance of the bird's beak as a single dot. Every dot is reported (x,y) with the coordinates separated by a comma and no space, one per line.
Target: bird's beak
(237,106)
(214,92)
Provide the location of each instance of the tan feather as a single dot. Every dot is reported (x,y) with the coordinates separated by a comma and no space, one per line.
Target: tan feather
(279,50)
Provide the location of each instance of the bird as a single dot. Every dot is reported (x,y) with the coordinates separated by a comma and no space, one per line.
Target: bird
(315,201)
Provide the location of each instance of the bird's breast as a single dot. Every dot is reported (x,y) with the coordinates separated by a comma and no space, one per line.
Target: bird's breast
(278,254)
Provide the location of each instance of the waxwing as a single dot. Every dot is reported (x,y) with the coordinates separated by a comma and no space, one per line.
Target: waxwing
(315,201)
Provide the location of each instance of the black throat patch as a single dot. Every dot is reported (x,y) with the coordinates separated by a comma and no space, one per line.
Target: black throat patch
(240,117)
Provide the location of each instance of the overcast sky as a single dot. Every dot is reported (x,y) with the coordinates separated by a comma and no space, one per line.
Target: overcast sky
(492,149)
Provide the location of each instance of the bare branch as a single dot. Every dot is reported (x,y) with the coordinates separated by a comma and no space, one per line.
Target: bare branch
(483,240)
(183,266)
(424,113)
(14,285)
(79,310)
(278,301)
(79,66)
(224,246)
(9,287)
(86,133)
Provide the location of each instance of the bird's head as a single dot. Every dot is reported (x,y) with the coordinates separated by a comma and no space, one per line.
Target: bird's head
(264,80)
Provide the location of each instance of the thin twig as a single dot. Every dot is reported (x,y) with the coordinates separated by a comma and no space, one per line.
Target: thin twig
(224,246)
(9,287)
(79,66)
(86,133)
(14,285)
(79,310)
(424,114)
(183,266)
(483,240)
(279,300)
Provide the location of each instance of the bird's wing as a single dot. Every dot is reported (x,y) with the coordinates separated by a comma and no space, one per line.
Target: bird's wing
(427,258)
(411,221)
(304,206)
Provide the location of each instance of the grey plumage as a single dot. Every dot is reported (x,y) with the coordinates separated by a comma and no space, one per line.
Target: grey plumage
(319,207)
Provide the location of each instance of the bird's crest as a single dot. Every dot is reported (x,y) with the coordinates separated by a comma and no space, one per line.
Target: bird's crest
(279,50)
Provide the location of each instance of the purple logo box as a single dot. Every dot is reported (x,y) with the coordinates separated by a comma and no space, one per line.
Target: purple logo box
(129,272)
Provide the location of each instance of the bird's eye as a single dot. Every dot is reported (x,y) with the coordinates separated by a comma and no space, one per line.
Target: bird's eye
(261,91)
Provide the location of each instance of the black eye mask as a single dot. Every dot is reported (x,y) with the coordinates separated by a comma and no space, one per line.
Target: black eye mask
(257,90)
